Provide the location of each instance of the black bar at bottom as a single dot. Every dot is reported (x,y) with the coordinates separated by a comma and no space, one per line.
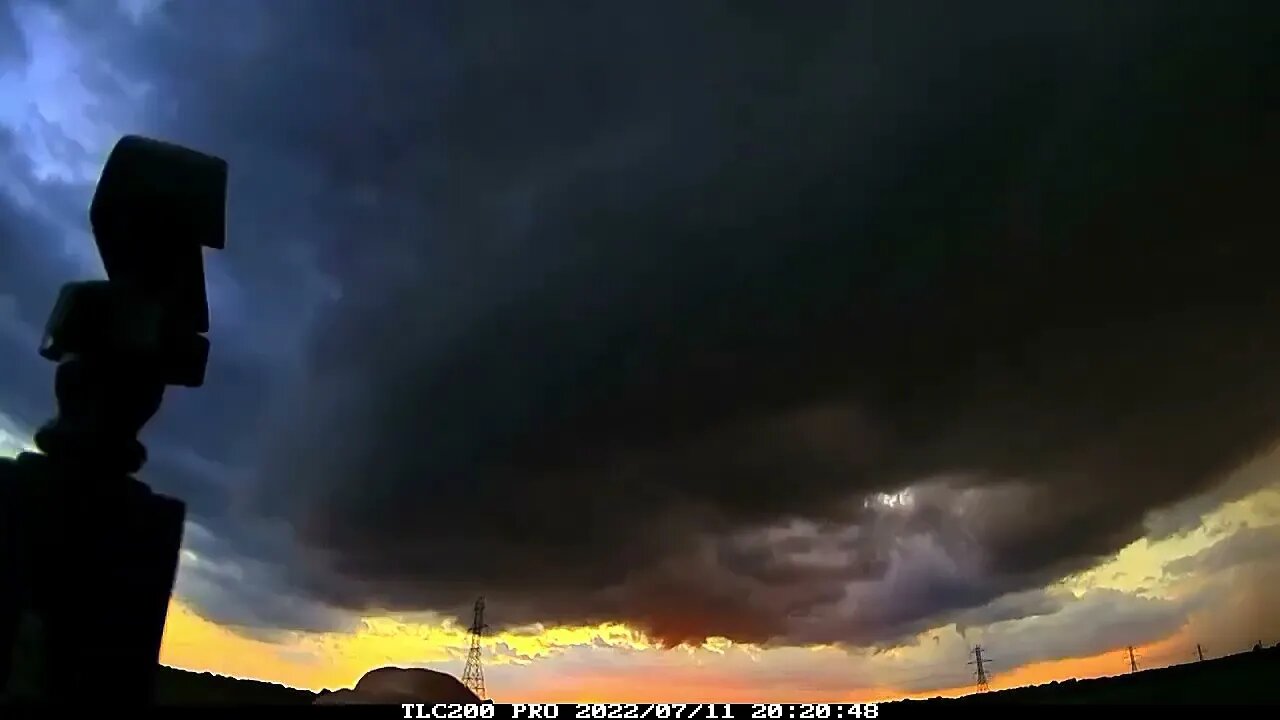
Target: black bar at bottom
(646,711)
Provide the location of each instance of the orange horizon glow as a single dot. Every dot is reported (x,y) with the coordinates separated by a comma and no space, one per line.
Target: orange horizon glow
(193,643)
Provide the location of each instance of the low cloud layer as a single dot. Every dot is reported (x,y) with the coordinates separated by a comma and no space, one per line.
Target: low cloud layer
(652,314)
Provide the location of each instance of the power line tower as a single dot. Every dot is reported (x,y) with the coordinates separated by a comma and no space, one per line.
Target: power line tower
(1133,662)
(1199,652)
(980,669)
(473,673)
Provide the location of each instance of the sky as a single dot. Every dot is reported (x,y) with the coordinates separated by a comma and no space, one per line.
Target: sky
(732,351)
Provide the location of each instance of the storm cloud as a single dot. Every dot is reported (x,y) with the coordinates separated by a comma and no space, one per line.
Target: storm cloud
(811,325)
(696,274)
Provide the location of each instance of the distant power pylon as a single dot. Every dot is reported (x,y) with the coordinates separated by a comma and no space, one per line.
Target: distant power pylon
(473,673)
(1133,662)
(980,669)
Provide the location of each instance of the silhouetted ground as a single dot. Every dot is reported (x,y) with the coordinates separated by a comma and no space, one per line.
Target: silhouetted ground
(183,687)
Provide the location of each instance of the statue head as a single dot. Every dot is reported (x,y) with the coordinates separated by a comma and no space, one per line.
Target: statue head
(156,207)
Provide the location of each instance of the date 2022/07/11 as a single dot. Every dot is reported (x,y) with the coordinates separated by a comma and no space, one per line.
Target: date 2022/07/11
(642,711)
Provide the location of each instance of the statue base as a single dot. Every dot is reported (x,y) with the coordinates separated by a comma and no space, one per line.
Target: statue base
(87,565)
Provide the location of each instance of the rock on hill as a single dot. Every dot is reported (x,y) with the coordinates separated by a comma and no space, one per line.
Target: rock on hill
(391,685)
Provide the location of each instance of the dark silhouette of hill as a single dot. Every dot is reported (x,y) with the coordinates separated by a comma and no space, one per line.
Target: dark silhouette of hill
(184,687)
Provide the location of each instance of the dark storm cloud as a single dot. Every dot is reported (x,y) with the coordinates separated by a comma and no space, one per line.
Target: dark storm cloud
(697,271)
(623,314)
(242,592)
(1188,515)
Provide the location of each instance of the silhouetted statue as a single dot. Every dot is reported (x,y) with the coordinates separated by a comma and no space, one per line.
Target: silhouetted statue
(88,553)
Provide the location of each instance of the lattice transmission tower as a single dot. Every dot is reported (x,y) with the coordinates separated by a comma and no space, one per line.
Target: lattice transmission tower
(473,673)
(980,669)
